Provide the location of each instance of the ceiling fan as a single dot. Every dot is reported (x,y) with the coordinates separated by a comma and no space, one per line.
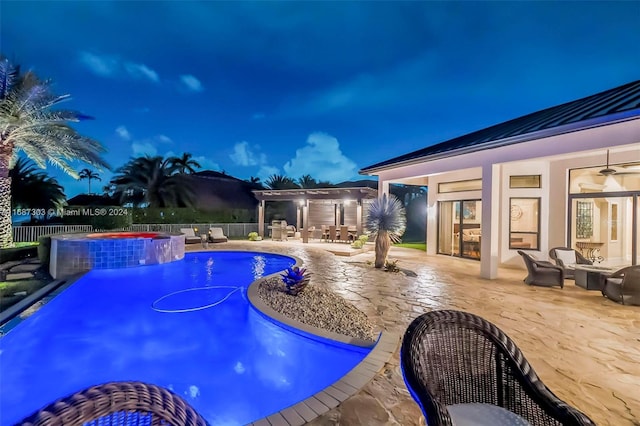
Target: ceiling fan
(608,171)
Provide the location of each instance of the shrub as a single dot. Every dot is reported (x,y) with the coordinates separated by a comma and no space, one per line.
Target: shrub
(191,215)
(391,266)
(17,253)
(360,242)
(44,248)
(100,217)
(253,236)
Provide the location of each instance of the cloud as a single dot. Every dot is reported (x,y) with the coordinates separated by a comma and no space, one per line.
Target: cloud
(265,171)
(142,148)
(104,66)
(206,163)
(190,83)
(140,71)
(111,66)
(123,133)
(164,139)
(322,159)
(243,155)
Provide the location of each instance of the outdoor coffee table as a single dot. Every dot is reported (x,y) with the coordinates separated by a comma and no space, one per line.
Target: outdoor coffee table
(592,277)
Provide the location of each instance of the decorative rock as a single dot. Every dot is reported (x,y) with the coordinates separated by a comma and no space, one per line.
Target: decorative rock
(318,307)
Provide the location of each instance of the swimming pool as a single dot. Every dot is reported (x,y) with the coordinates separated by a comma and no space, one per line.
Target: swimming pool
(229,362)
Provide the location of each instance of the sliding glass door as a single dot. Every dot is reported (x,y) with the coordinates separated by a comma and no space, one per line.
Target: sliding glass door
(459,228)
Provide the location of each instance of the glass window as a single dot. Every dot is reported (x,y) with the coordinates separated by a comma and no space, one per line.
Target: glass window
(584,219)
(524,181)
(459,186)
(524,223)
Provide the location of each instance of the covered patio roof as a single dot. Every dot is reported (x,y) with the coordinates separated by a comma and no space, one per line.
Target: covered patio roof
(355,193)
(305,198)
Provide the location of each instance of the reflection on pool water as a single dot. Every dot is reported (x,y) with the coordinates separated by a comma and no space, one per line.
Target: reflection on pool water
(228,361)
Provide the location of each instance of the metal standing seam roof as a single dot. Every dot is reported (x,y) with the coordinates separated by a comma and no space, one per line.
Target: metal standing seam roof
(608,106)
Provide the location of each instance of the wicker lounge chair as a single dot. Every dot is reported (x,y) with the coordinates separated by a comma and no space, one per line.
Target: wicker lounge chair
(567,258)
(216,235)
(541,272)
(190,236)
(459,366)
(623,286)
(118,403)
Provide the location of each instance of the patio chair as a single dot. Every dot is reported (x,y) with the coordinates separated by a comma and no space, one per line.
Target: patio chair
(216,235)
(190,236)
(333,235)
(541,272)
(290,230)
(344,233)
(118,403)
(623,286)
(462,369)
(567,258)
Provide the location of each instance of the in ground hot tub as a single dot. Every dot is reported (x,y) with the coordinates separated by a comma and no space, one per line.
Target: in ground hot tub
(74,253)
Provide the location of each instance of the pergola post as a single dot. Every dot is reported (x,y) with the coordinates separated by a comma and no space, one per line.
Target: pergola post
(261,218)
(359,216)
(305,221)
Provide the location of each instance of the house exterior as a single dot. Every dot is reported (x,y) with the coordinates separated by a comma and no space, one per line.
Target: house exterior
(567,176)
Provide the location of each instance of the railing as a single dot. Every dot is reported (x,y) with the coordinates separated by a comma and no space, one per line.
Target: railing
(231,230)
(32,233)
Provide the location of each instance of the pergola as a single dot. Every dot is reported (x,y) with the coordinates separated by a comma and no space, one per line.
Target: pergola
(342,200)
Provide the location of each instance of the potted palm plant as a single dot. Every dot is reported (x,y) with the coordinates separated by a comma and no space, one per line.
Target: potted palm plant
(386,221)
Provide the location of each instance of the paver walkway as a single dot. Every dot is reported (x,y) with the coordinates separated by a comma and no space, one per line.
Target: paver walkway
(584,347)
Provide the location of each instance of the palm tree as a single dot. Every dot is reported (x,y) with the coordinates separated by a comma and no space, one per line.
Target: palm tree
(29,124)
(386,219)
(154,182)
(306,181)
(324,184)
(88,174)
(185,164)
(281,182)
(33,190)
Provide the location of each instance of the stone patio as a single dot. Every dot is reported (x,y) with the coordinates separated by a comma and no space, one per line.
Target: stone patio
(584,347)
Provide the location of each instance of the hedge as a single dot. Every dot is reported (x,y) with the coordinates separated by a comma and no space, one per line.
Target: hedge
(190,215)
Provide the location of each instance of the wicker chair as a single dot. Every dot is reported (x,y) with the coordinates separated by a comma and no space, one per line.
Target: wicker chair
(118,403)
(541,272)
(623,286)
(560,256)
(454,360)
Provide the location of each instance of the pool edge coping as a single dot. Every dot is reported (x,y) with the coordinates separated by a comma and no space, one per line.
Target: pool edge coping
(339,391)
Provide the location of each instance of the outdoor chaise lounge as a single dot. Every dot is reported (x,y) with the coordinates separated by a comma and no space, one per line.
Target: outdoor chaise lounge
(541,272)
(125,403)
(623,286)
(190,236)
(216,235)
(567,258)
(462,370)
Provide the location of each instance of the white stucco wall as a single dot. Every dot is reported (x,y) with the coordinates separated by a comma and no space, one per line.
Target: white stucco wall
(550,157)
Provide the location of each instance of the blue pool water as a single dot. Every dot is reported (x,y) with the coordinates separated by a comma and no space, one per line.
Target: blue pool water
(229,362)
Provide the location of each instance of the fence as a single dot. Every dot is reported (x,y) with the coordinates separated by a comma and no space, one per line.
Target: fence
(231,230)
